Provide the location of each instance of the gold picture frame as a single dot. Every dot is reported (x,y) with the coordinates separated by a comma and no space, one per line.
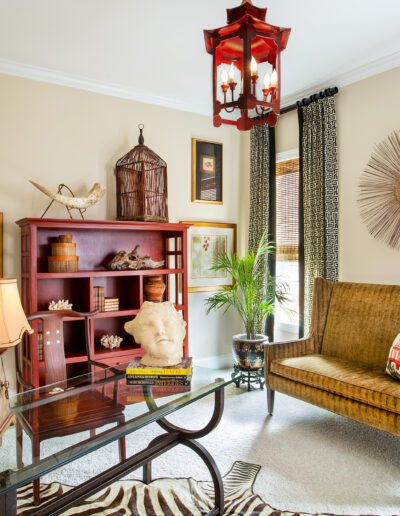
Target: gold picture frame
(205,239)
(207,171)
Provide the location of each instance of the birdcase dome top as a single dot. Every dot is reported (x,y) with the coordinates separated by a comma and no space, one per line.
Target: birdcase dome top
(141,157)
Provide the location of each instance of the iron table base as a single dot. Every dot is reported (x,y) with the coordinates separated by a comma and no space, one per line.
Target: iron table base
(249,377)
(174,436)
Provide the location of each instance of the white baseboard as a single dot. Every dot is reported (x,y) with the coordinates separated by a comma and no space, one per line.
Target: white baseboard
(215,362)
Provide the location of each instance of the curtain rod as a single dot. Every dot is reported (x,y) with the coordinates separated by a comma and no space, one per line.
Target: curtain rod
(328,92)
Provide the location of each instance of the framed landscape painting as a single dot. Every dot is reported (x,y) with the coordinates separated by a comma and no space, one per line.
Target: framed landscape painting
(206,171)
(206,240)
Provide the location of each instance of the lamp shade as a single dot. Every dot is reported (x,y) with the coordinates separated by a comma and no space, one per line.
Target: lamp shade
(13,322)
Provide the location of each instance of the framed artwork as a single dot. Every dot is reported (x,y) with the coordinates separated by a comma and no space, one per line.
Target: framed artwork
(206,171)
(205,241)
(1,245)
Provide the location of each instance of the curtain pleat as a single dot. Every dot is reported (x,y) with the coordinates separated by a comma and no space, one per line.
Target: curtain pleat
(262,173)
(319,195)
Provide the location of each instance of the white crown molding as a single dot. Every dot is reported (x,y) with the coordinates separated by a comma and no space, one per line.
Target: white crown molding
(359,73)
(114,90)
(341,80)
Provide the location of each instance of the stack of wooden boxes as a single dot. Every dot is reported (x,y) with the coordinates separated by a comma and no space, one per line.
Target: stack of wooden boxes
(63,255)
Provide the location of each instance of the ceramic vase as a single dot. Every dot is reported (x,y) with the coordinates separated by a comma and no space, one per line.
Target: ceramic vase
(154,289)
(249,353)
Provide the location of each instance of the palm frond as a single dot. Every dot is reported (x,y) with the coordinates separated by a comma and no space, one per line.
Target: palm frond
(253,300)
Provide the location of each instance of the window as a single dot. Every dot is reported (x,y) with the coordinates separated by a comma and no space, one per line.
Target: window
(287,239)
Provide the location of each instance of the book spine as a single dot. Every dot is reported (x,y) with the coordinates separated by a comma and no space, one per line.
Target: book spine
(158,372)
(156,383)
(99,298)
(137,390)
(157,377)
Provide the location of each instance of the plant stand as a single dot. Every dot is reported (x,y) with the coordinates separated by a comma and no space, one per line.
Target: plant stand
(249,376)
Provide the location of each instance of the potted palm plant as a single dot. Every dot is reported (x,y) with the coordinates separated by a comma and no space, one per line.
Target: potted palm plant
(253,294)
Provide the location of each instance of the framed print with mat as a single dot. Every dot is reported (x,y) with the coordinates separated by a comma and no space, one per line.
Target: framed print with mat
(206,240)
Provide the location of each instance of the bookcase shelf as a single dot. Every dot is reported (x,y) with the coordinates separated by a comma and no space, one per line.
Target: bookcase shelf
(96,243)
(106,274)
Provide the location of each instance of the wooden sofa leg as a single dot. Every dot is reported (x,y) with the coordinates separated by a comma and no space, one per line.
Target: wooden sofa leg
(270,401)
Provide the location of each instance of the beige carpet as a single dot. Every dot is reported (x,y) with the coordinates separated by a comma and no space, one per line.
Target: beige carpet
(312,461)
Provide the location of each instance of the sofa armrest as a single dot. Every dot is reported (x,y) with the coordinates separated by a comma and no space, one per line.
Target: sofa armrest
(289,349)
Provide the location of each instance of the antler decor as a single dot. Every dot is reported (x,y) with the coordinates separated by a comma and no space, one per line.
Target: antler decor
(379,198)
(71,202)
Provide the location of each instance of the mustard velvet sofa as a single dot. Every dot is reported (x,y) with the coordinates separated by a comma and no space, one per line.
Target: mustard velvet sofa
(341,366)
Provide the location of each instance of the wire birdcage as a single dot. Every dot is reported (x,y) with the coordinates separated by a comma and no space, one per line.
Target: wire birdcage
(142,190)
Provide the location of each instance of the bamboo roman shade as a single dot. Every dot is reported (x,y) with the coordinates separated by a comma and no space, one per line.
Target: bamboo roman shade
(287,210)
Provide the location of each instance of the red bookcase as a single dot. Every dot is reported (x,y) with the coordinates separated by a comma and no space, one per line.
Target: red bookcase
(97,242)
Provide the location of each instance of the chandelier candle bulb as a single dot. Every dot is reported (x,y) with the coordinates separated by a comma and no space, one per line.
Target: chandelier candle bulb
(254,76)
(232,74)
(267,85)
(253,67)
(224,85)
(274,79)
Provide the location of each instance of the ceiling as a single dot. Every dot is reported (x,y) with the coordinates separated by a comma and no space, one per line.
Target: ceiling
(153,50)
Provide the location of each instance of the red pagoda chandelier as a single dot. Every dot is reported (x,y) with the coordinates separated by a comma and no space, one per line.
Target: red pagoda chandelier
(246,67)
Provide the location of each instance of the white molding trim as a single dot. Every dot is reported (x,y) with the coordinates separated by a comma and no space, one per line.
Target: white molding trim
(286,155)
(341,80)
(83,83)
(36,73)
(215,362)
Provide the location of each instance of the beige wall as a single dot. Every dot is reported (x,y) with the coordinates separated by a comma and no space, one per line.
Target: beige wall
(367,112)
(55,134)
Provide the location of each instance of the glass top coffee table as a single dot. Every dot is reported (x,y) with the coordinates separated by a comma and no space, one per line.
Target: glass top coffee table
(89,403)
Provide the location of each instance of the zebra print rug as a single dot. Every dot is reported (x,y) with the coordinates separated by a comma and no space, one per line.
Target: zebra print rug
(167,496)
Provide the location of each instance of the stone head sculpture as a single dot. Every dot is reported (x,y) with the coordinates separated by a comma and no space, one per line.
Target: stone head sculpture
(160,330)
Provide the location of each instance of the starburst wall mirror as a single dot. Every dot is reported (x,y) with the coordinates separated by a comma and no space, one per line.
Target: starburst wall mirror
(379,197)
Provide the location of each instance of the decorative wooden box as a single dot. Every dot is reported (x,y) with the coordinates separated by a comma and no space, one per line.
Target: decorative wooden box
(97,242)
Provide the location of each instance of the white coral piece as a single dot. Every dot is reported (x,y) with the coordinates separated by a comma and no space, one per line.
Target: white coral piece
(61,304)
(111,341)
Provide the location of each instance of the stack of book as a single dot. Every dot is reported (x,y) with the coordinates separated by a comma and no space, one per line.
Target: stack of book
(99,298)
(111,304)
(135,394)
(177,375)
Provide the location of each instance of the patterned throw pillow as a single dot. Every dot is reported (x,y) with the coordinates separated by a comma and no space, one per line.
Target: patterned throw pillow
(393,364)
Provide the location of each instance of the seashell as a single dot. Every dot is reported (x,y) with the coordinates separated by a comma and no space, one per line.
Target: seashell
(111,341)
(61,304)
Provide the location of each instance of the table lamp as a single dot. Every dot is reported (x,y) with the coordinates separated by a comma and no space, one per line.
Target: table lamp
(13,325)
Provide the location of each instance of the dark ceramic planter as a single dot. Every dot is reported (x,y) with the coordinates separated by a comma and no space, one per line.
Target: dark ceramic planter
(249,353)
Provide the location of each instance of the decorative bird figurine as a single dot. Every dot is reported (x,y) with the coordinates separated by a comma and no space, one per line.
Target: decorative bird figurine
(71,202)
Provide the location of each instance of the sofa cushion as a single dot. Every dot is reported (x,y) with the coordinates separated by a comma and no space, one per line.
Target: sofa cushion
(342,377)
(362,321)
(393,364)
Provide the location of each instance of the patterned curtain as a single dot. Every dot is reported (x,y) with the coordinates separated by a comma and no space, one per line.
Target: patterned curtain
(262,201)
(319,195)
